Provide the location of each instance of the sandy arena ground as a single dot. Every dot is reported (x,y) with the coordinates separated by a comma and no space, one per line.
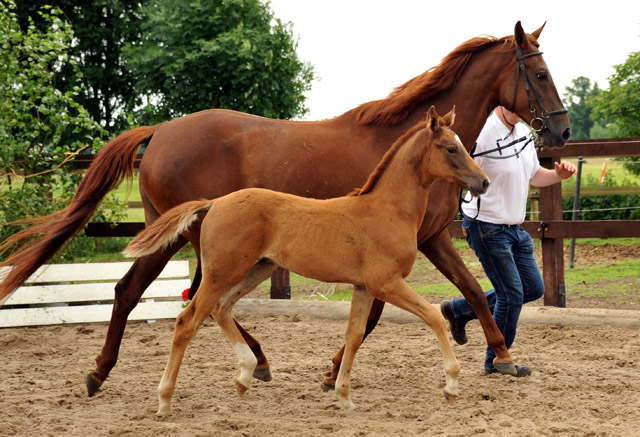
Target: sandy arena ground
(586,382)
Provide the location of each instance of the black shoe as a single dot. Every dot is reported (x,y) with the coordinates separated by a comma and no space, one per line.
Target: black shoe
(522,371)
(457,329)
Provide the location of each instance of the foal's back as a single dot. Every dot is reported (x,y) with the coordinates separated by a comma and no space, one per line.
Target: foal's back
(330,240)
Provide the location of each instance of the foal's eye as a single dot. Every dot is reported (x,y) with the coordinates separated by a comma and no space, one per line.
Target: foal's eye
(452,150)
(542,76)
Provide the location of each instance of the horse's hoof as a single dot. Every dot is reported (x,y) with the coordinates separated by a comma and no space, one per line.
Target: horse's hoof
(451,398)
(241,388)
(93,383)
(262,374)
(506,368)
(327,386)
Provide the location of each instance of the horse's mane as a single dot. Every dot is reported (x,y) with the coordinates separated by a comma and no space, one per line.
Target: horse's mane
(384,162)
(396,107)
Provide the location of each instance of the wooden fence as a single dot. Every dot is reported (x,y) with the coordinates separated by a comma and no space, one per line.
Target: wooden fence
(551,229)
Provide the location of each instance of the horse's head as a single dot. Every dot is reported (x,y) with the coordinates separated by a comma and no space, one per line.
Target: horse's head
(529,91)
(448,159)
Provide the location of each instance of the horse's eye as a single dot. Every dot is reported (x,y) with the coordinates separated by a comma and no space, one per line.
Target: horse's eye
(452,150)
(542,76)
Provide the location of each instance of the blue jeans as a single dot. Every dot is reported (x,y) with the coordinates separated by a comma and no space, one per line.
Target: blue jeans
(506,255)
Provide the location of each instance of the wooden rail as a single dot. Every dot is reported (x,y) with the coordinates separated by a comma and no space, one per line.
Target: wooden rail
(550,228)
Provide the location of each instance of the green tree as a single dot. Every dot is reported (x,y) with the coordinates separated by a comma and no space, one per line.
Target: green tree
(621,103)
(231,54)
(576,100)
(35,117)
(101,28)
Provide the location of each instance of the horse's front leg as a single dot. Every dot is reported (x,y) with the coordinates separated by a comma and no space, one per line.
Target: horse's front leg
(127,295)
(330,376)
(360,310)
(444,256)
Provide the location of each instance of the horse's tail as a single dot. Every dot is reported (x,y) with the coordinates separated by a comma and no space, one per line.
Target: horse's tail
(110,166)
(166,229)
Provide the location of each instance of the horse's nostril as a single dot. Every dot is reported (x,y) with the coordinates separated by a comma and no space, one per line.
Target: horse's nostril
(485,184)
(566,134)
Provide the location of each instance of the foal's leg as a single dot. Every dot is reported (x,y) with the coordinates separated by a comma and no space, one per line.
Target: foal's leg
(444,256)
(263,370)
(222,314)
(330,376)
(360,307)
(398,293)
(127,295)
(187,324)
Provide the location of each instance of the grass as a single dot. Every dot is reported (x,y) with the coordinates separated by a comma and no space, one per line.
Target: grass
(593,167)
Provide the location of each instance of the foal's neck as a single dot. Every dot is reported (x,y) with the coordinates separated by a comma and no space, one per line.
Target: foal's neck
(402,187)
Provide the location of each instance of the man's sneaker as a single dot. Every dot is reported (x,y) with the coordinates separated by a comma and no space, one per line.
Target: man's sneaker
(522,371)
(457,329)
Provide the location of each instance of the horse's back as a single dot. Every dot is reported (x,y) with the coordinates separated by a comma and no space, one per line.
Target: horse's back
(211,153)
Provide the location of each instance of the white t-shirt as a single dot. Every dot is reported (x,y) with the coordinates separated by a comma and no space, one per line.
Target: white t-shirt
(505,202)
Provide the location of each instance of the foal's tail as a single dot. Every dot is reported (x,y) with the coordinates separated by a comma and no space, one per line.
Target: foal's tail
(109,168)
(166,229)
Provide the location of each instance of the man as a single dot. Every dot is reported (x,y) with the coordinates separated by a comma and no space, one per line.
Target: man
(506,153)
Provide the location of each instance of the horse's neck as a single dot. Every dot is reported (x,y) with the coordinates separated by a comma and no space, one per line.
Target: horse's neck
(474,98)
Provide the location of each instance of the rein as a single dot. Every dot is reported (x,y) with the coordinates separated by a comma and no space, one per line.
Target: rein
(538,122)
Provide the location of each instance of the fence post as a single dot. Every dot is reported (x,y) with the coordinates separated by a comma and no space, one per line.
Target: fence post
(280,288)
(552,248)
(576,206)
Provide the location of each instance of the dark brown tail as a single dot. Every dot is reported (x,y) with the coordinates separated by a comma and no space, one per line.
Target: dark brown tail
(110,166)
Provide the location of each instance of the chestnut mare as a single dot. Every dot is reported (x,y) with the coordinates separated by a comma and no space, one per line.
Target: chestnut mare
(367,239)
(211,153)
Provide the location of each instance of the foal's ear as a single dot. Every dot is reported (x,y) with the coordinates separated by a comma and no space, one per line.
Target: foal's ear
(433,119)
(450,117)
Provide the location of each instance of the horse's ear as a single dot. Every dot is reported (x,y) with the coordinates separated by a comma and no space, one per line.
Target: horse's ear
(432,119)
(449,118)
(536,33)
(521,37)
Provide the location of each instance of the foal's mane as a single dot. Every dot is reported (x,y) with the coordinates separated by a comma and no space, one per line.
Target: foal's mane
(386,159)
(397,106)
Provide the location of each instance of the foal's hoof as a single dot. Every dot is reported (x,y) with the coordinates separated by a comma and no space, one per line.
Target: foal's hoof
(506,368)
(93,383)
(451,398)
(241,388)
(262,374)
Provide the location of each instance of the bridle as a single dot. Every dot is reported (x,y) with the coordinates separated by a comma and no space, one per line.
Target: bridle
(538,122)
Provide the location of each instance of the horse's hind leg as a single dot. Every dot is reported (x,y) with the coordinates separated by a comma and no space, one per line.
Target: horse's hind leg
(360,308)
(330,376)
(127,295)
(222,314)
(398,293)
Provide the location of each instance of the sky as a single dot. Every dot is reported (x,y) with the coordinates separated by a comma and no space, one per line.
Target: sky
(363,49)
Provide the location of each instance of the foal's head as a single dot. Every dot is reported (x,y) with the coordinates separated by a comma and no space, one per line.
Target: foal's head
(446,158)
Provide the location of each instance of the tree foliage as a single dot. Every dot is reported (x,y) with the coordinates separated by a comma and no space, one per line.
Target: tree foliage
(101,28)
(576,100)
(231,54)
(621,104)
(37,119)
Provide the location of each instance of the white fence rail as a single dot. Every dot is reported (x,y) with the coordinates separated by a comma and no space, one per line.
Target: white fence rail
(83,293)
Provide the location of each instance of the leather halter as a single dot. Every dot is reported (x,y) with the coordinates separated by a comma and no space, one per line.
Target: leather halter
(538,122)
